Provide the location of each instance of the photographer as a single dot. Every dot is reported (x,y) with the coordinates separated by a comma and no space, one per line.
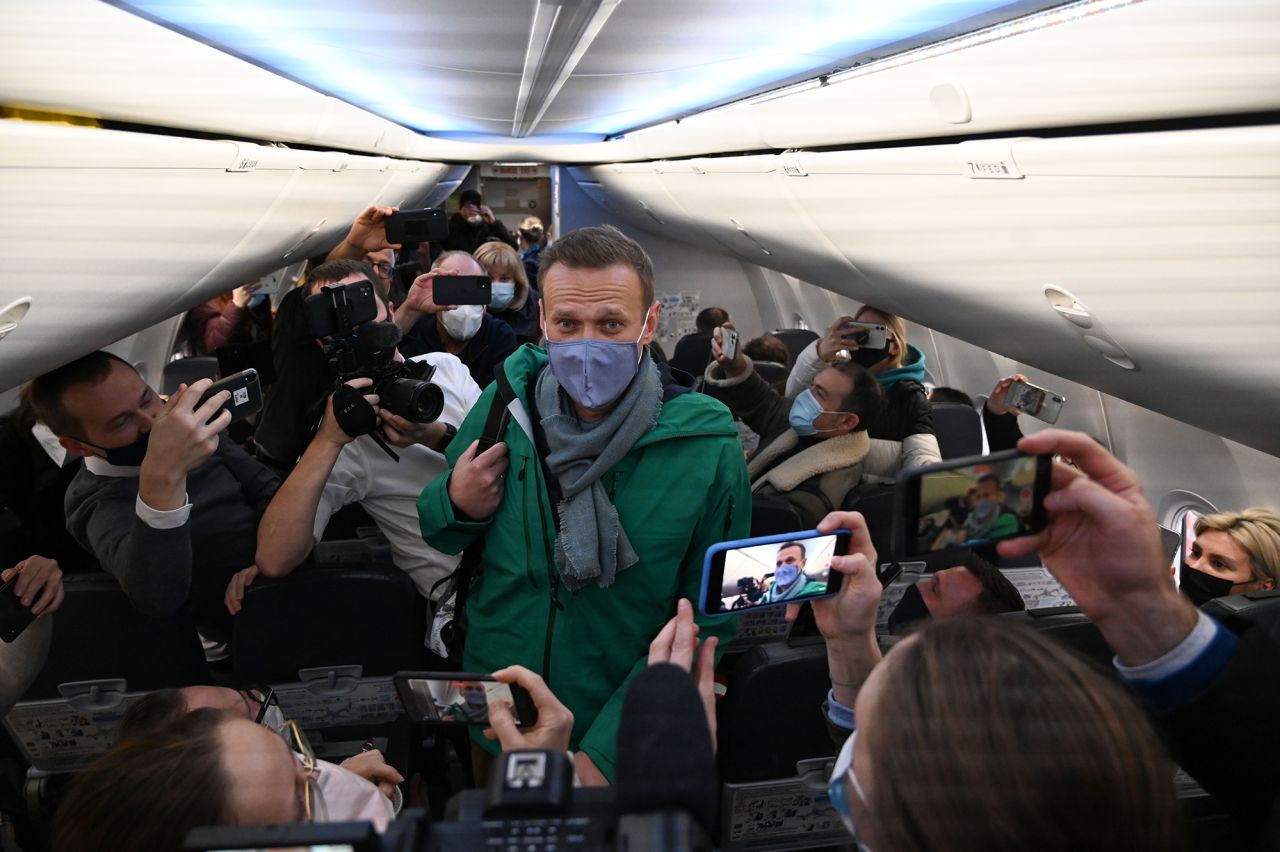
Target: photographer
(338,469)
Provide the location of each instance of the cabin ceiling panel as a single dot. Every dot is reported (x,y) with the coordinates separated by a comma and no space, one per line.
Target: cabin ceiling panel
(136,227)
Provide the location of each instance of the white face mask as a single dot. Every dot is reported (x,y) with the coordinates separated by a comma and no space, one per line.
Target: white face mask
(463,322)
(476,219)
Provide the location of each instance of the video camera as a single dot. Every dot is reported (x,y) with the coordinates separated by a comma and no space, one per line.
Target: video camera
(531,803)
(358,347)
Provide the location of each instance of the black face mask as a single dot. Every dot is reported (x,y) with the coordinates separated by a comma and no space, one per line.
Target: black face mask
(868,358)
(1202,588)
(130,455)
(911,608)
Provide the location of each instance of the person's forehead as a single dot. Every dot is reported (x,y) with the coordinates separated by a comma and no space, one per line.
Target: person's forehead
(381,254)
(575,289)
(221,697)
(463,264)
(793,550)
(1222,544)
(118,393)
(833,381)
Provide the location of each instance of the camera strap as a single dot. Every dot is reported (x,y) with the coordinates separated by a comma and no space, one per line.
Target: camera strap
(458,584)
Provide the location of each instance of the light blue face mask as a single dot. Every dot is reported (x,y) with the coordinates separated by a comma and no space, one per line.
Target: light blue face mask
(786,574)
(594,372)
(501,294)
(804,411)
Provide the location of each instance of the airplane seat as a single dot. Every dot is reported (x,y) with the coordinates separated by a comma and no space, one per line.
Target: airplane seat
(771,713)
(1071,628)
(186,371)
(878,505)
(1261,608)
(773,515)
(958,429)
(772,373)
(795,339)
(97,634)
(365,615)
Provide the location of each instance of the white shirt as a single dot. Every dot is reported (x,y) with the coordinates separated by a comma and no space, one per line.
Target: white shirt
(388,490)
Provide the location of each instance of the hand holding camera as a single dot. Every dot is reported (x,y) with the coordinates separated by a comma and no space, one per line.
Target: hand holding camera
(330,427)
(420,297)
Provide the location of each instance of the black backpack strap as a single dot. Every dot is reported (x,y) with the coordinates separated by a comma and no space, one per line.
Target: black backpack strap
(468,570)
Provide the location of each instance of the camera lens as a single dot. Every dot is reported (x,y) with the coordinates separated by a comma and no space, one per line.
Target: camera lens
(419,402)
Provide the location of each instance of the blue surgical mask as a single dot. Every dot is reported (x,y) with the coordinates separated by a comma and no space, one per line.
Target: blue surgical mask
(501,294)
(804,411)
(594,372)
(786,574)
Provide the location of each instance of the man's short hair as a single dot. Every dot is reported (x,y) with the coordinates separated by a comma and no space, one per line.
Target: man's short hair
(865,399)
(599,247)
(945,394)
(803,551)
(469,196)
(766,347)
(45,393)
(998,593)
(335,270)
(990,477)
(709,319)
(151,714)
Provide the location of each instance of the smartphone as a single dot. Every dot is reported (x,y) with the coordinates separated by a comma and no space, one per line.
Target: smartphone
(424,225)
(246,395)
(14,617)
(771,571)
(970,502)
(459,698)
(865,335)
(729,342)
(1038,402)
(338,308)
(461,290)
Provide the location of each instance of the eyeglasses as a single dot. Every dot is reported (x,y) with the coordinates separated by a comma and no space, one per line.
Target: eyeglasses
(842,779)
(313,806)
(264,697)
(383,268)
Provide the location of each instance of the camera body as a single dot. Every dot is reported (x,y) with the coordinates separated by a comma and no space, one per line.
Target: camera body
(358,347)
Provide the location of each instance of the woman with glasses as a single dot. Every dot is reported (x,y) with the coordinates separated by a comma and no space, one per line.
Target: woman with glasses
(982,734)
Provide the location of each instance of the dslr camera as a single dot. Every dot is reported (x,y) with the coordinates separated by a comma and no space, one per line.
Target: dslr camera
(343,315)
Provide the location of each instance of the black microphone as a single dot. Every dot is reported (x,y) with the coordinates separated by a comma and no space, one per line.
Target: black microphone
(666,761)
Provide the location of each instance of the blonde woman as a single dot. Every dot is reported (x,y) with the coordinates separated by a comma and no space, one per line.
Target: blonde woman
(1233,553)
(513,300)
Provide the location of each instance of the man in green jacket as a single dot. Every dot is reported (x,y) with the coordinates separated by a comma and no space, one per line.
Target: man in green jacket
(599,503)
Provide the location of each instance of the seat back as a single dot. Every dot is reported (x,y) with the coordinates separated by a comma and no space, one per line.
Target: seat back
(363,615)
(97,635)
(771,713)
(795,339)
(878,505)
(1262,608)
(773,515)
(958,429)
(186,371)
(772,373)
(1071,628)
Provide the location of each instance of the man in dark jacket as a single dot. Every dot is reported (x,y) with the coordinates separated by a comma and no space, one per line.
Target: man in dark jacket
(167,504)
(474,224)
(478,339)
(693,351)
(815,447)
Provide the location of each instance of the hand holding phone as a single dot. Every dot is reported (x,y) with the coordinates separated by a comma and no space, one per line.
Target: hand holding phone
(32,588)
(459,698)
(729,342)
(554,723)
(246,395)
(970,502)
(1035,401)
(864,335)
(772,570)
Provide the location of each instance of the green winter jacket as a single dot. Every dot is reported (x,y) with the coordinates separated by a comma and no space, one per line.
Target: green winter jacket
(682,488)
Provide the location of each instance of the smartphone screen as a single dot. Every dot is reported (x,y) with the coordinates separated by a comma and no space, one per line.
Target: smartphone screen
(441,698)
(971,502)
(461,290)
(771,571)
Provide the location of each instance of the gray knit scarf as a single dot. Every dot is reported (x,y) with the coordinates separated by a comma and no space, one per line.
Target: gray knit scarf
(592,546)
